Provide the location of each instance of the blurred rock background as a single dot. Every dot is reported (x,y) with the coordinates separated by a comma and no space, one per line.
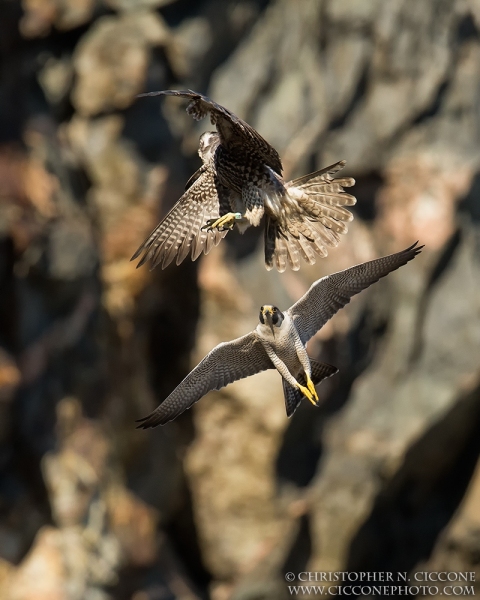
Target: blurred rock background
(385,476)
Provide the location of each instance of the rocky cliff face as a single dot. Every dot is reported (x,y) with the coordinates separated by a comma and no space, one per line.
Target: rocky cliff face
(220,503)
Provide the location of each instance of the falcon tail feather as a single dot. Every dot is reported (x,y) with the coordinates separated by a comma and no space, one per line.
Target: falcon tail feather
(293,396)
(321,218)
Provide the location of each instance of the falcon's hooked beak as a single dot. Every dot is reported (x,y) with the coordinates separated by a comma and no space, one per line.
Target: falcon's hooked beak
(267,313)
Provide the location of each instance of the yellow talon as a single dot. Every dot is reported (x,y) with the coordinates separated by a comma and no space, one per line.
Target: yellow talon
(312,389)
(222,223)
(306,392)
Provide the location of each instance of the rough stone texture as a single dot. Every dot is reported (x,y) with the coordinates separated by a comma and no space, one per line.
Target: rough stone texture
(415,382)
(457,547)
(111,60)
(40,15)
(134,5)
(242,428)
(225,500)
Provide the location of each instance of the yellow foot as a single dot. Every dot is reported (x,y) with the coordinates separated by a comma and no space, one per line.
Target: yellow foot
(306,392)
(223,223)
(312,389)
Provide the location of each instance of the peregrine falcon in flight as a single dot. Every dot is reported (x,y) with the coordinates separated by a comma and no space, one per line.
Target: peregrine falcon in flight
(279,341)
(241,181)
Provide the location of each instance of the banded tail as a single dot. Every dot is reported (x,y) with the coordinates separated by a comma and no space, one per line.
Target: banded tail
(320,220)
(293,396)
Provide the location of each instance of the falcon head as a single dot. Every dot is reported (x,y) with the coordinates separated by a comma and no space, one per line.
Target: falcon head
(271,316)
(208,144)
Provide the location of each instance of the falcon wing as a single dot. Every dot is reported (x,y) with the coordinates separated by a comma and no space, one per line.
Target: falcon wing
(226,363)
(198,173)
(329,294)
(235,134)
(180,232)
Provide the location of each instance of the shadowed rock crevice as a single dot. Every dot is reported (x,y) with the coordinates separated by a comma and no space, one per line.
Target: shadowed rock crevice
(414,507)
(23,489)
(357,96)
(172,327)
(467,28)
(7,297)
(356,350)
(445,259)
(435,106)
(145,124)
(236,20)
(466,31)
(301,450)
(366,188)
(175,12)
(470,204)
(301,549)
(241,246)
(442,264)
(183,536)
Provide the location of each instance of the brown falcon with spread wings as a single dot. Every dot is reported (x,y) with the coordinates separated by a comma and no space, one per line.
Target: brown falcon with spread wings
(240,182)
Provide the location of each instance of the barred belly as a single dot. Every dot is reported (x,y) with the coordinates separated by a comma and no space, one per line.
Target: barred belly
(289,356)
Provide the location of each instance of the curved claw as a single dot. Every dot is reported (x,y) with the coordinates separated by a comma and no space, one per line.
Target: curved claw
(224,223)
(306,392)
(208,225)
(311,387)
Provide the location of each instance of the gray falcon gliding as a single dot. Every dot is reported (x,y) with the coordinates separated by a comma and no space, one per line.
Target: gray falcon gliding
(279,341)
(241,181)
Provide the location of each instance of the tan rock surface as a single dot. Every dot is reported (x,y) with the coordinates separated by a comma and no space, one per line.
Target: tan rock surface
(111,61)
